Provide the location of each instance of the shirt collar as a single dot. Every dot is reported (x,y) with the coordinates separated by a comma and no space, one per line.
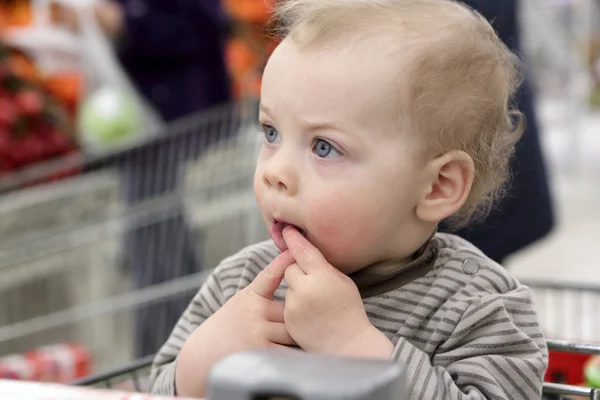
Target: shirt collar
(383,277)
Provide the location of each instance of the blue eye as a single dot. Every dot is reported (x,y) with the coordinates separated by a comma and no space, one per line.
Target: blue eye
(271,134)
(324,149)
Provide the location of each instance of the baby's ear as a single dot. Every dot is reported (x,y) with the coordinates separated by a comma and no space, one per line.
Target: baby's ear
(451,177)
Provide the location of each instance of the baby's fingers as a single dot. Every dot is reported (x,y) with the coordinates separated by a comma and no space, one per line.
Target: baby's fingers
(269,279)
(274,312)
(277,333)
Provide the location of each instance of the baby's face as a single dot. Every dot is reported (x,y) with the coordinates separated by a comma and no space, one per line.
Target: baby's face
(334,163)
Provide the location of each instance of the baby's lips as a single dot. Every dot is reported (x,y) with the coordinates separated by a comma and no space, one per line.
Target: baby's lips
(300,230)
(276,233)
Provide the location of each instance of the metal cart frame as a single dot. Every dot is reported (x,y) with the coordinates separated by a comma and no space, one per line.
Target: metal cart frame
(136,371)
(132,372)
(75,269)
(559,391)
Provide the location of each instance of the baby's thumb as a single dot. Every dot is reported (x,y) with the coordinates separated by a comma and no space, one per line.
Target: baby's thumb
(269,279)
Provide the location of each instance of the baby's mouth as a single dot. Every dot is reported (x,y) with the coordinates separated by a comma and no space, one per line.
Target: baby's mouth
(276,233)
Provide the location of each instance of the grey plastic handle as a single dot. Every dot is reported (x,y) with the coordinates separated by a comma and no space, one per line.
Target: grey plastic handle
(295,375)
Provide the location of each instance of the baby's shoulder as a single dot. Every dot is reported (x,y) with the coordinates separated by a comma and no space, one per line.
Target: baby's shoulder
(461,265)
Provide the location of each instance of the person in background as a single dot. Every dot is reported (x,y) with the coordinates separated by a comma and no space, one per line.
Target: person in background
(172,50)
(174,53)
(525,214)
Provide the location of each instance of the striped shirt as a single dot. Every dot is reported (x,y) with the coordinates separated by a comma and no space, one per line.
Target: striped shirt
(461,325)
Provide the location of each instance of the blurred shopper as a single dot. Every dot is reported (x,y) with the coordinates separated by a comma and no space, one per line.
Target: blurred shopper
(173,51)
(525,215)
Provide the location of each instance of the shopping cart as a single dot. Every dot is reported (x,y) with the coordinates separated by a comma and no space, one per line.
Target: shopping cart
(554,390)
(65,272)
(135,375)
(97,258)
(569,312)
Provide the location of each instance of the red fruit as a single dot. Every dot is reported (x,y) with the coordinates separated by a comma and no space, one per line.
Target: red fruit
(5,166)
(58,142)
(29,101)
(5,144)
(8,112)
(17,155)
(4,71)
(44,130)
(33,149)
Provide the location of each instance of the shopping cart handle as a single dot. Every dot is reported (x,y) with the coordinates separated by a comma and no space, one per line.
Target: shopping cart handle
(295,375)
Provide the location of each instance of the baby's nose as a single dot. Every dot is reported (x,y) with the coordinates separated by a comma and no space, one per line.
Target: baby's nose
(281,176)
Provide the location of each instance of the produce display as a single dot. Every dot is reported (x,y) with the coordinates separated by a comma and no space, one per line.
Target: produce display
(252,11)
(15,13)
(43,115)
(34,124)
(37,110)
(249,47)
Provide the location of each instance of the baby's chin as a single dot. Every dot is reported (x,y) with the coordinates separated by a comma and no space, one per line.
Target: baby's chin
(346,268)
(338,258)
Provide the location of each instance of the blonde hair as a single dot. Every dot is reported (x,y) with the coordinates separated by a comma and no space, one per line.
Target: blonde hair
(459,78)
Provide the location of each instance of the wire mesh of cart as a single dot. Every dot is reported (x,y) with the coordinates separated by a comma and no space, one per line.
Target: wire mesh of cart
(135,376)
(569,312)
(559,391)
(105,260)
(97,267)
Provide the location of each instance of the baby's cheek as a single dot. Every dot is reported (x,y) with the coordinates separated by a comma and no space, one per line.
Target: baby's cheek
(343,230)
(258,188)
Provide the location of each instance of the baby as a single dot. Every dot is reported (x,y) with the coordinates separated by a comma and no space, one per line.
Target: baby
(381,118)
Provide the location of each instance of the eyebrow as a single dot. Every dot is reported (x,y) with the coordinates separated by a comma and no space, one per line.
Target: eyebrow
(313,126)
(324,126)
(265,109)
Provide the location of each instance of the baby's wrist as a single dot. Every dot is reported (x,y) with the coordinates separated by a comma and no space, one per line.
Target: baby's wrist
(370,343)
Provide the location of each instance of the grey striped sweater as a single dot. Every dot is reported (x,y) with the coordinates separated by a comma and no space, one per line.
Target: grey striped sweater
(461,325)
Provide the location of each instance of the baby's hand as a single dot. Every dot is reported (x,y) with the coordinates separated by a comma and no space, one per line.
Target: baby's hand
(324,311)
(249,320)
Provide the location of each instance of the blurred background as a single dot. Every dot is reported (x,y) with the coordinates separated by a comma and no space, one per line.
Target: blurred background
(127,144)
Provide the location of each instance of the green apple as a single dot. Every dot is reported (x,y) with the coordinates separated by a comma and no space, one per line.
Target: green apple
(592,372)
(108,116)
